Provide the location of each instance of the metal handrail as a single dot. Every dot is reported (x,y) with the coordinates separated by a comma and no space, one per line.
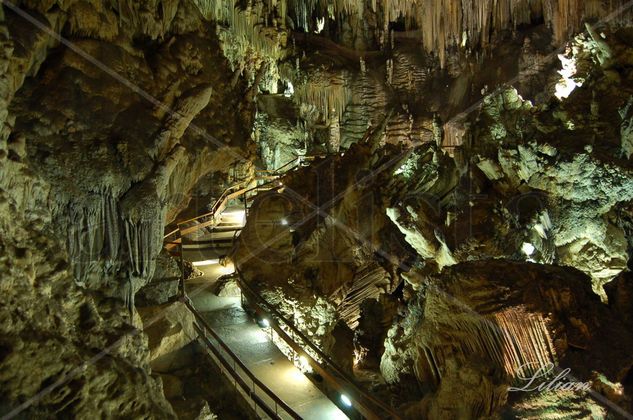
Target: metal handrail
(297,161)
(203,328)
(236,378)
(350,385)
(341,381)
(216,205)
(226,192)
(224,197)
(277,171)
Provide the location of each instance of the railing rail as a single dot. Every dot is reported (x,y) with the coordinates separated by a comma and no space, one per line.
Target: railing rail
(204,330)
(236,190)
(218,206)
(367,404)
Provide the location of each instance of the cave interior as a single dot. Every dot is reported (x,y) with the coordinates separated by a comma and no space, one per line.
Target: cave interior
(316,209)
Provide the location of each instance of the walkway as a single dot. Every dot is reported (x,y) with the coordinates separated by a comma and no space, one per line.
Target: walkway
(245,338)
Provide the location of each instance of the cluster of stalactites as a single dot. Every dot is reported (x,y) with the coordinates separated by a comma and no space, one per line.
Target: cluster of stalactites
(328,94)
(514,340)
(102,241)
(369,283)
(444,24)
(245,31)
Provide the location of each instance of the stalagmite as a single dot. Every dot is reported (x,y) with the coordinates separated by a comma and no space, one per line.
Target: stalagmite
(374,176)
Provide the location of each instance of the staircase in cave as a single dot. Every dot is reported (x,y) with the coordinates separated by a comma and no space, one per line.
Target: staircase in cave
(232,329)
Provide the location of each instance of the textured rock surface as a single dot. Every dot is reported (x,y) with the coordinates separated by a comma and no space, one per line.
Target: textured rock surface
(536,188)
(82,354)
(144,112)
(164,284)
(320,262)
(169,328)
(90,172)
(479,325)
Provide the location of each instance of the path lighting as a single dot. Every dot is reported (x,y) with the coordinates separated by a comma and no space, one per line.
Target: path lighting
(264,322)
(527,248)
(346,400)
(205,262)
(304,364)
(284,222)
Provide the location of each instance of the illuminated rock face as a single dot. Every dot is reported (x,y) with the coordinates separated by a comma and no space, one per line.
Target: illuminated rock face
(319,269)
(91,171)
(498,320)
(159,106)
(536,189)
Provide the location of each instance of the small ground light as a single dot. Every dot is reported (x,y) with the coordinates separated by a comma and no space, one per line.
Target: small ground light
(345,400)
(265,323)
(304,364)
(527,248)
(284,222)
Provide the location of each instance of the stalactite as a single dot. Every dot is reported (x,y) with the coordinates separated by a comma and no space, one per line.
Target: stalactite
(154,21)
(218,10)
(92,229)
(408,73)
(368,100)
(527,339)
(399,129)
(513,339)
(444,24)
(328,94)
(111,234)
(454,132)
(246,32)
(368,283)
(144,241)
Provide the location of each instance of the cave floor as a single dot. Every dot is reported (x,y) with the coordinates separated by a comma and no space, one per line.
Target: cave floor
(252,344)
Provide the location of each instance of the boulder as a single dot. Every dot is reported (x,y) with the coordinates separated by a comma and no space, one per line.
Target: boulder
(226,286)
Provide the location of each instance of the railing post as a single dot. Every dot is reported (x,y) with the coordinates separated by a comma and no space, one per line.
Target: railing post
(234,379)
(181,285)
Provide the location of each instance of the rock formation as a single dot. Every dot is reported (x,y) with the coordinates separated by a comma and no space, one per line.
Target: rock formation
(455,200)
